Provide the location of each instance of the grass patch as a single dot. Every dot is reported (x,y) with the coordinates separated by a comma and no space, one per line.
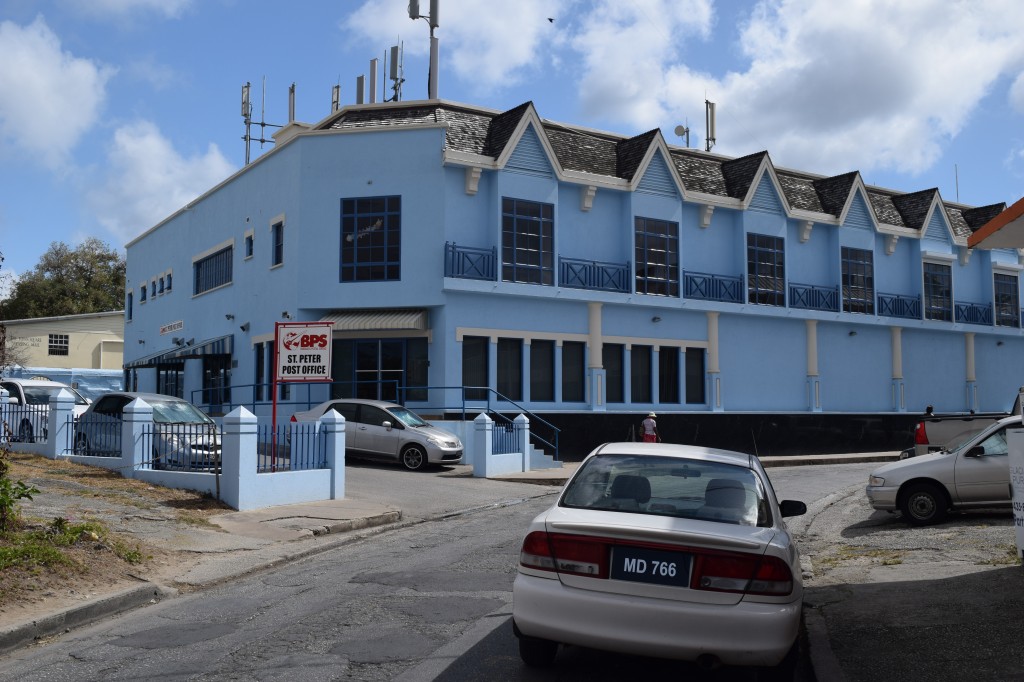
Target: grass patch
(849,553)
(1008,556)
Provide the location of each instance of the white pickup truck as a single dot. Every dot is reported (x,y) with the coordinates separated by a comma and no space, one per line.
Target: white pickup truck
(935,432)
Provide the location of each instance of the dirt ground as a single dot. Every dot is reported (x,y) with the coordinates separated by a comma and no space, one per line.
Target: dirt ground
(79,493)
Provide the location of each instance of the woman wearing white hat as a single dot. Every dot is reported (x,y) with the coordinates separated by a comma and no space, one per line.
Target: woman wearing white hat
(650,429)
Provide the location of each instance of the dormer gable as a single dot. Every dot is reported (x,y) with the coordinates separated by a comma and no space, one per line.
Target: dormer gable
(740,173)
(915,207)
(630,153)
(834,193)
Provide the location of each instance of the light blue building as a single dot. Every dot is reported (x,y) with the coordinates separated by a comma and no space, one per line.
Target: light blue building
(580,275)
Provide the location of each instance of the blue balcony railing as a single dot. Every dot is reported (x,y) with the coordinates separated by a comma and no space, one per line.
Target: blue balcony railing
(592,274)
(898,305)
(705,287)
(469,263)
(812,297)
(973,313)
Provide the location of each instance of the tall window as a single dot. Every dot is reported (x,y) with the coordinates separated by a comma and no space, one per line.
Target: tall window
(217,381)
(474,365)
(612,355)
(766,270)
(542,370)
(640,368)
(59,344)
(371,239)
(260,356)
(277,237)
(695,376)
(169,281)
(573,371)
(128,306)
(142,293)
(213,271)
(668,375)
(248,245)
(1007,297)
(527,242)
(657,257)
(938,292)
(510,368)
(858,281)
(170,379)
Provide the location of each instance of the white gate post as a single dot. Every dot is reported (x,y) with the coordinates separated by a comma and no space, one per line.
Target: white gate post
(238,459)
(333,426)
(136,438)
(483,444)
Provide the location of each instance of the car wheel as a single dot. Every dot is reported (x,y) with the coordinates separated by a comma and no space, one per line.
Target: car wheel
(923,504)
(82,445)
(25,433)
(537,653)
(414,458)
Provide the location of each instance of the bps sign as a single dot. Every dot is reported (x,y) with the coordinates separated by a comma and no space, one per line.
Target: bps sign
(303,351)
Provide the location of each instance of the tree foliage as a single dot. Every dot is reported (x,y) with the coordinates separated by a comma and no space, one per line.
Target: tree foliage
(69,281)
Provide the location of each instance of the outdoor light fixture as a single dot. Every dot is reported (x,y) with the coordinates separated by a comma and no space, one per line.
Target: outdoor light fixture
(655,319)
(245,327)
(142,342)
(229,316)
(190,342)
(999,343)
(178,341)
(286,315)
(853,333)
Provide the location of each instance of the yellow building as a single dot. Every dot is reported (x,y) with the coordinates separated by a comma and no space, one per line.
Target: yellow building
(89,341)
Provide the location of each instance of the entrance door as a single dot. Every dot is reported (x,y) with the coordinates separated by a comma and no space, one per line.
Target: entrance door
(380,369)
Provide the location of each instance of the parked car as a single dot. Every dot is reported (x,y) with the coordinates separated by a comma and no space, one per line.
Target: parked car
(663,550)
(34,396)
(973,472)
(184,436)
(382,430)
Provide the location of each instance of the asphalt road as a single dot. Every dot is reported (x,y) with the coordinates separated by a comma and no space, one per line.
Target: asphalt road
(417,603)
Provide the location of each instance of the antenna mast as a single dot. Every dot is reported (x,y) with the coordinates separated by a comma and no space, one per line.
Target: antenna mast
(247,116)
(414,13)
(709,119)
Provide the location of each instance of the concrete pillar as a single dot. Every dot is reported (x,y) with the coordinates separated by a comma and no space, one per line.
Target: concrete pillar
(970,375)
(713,371)
(522,425)
(333,426)
(813,378)
(483,444)
(899,400)
(136,438)
(60,429)
(238,460)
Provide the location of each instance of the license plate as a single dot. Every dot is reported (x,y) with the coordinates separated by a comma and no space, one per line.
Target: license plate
(639,564)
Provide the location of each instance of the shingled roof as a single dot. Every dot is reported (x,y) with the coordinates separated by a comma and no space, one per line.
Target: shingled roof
(487,133)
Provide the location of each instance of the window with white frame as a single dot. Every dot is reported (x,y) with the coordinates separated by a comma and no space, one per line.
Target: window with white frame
(657,256)
(858,281)
(938,292)
(212,271)
(766,270)
(1006,292)
(59,344)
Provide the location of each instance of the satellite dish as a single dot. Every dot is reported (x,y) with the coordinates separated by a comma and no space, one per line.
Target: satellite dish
(680,131)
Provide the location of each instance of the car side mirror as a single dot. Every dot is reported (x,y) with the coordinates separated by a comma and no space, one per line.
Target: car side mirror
(976,451)
(386,425)
(792,508)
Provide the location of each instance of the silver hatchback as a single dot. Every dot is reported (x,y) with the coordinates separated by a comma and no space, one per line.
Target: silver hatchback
(382,430)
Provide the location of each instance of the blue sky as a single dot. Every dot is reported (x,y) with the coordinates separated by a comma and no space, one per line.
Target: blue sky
(115,113)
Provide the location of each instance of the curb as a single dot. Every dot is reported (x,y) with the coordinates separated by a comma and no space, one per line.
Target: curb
(21,634)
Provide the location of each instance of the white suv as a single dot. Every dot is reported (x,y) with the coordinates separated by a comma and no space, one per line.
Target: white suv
(28,408)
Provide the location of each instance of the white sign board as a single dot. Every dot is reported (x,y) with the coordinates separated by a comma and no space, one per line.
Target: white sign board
(303,351)
(1015,445)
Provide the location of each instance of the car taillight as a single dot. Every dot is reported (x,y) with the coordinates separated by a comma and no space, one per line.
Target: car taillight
(574,554)
(742,573)
(920,435)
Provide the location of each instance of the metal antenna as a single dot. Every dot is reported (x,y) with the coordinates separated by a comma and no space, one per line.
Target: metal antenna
(709,118)
(396,73)
(684,132)
(432,21)
(247,116)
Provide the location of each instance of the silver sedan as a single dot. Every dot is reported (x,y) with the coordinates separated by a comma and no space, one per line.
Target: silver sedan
(972,473)
(662,550)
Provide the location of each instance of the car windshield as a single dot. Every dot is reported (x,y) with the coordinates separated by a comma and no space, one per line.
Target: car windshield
(40,395)
(670,486)
(407,417)
(178,412)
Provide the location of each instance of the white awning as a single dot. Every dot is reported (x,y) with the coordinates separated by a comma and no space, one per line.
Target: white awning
(377,320)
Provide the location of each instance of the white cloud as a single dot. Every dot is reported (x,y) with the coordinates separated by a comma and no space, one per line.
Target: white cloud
(878,85)
(485,44)
(1017,94)
(48,97)
(172,9)
(148,179)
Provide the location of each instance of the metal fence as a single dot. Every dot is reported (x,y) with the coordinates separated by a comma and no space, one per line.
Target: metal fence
(290,447)
(182,447)
(26,423)
(506,438)
(96,437)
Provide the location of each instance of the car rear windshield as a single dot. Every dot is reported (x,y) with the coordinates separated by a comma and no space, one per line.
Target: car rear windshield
(178,412)
(670,486)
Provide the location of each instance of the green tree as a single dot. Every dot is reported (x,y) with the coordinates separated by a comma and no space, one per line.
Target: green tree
(69,281)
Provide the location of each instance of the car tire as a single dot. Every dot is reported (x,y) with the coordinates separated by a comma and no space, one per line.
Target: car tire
(414,458)
(786,670)
(82,446)
(25,434)
(923,504)
(536,652)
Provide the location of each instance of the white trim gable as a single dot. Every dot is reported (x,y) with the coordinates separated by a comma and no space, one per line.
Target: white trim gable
(768,168)
(658,144)
(926,228)
(529,118)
